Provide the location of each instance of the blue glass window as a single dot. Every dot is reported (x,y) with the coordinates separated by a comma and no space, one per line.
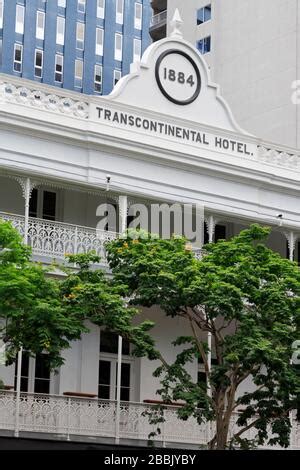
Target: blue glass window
(204,45)
(203,14)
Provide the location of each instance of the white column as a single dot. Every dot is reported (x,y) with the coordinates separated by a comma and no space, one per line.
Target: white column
(18,392)
(118,403)
(27,194)
(292,240)
(123,208)
(27,188)
(211,225)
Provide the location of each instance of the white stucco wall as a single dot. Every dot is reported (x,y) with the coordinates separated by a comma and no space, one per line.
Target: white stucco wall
(11,199)
(255,60)
(254,57)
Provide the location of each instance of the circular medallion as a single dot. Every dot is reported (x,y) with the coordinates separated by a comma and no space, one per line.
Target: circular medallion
(178,77)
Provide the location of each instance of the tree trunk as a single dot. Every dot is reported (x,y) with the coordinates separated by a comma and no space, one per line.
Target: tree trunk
(220,440)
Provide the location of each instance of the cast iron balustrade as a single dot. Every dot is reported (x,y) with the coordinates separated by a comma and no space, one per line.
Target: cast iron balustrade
(90,418)
(56,239)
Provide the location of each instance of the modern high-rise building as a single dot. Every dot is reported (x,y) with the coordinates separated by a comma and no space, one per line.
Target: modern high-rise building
(252,49)
(80,45)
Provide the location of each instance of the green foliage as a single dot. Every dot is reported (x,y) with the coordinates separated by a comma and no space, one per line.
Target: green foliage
(92,295)
(42,314)
(30,307)
(247,297)
(1,384)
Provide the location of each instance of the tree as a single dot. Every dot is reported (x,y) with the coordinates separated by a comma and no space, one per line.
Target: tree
(31,313)
(90,293)
(45,315)
(247,297)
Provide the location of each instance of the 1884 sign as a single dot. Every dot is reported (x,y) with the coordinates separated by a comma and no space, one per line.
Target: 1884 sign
(178,77)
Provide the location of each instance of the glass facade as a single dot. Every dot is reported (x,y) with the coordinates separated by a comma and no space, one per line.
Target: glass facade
(79,45)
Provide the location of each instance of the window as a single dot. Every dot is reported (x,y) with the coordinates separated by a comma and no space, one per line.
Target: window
(117,76)
(99,41)
(138,15)
(78,73)
(204,14)
(1,48)
(24,372)
(204,45)
(40,25)
(60,30)
(20,19)
(137,49)
(43,204)
(42,374)
(100,8)
(38,63)
(81,6)
(18,55)
(1,13)
(59,65)
(49,205)
(98,78)
(202,379)
(33,203)
(109,343)
(119,11)
(104,380)
(35,373)
(118,46)
(80,36)
(108,367)
(61,3)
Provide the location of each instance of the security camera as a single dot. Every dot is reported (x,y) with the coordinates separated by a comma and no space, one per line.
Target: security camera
(279,216)
(107,182)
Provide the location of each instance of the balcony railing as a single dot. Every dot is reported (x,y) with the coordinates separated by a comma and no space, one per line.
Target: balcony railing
(67,416)
(159,19)
(56,239)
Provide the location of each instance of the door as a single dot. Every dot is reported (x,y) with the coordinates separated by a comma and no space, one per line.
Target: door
(108,368)
(35,374)
(43,204)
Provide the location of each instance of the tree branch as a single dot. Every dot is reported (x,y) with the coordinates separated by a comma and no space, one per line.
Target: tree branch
(200,348)
(246,428)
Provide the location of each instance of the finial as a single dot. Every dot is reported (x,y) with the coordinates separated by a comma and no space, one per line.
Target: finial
(176,24)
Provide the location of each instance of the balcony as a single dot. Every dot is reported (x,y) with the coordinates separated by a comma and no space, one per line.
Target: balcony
(55,239)
(159,5)
(158,26)
(90,418)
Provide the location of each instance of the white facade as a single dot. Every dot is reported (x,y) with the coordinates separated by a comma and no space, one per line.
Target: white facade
(153,150)
(254,57)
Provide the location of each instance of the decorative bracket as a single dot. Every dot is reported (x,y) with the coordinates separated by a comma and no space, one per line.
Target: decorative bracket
(211,223)
(292,239)
(27,186)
